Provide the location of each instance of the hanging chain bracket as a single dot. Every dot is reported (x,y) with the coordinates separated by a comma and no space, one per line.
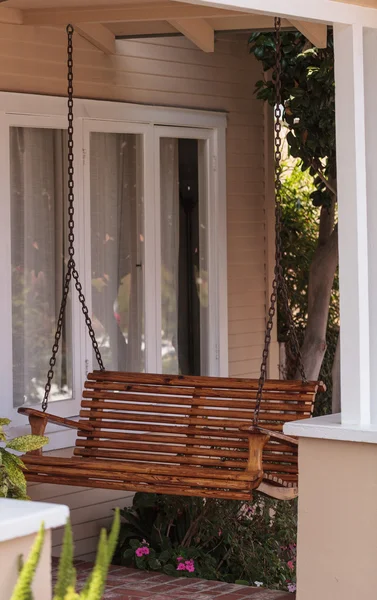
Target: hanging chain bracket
(71,266)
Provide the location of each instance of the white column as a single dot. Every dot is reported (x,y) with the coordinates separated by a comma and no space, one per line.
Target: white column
(353,238)
(370,87)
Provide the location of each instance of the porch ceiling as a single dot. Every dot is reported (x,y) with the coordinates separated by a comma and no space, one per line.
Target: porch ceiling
(100,22)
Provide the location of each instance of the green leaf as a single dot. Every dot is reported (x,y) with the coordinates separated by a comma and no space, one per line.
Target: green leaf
(4,422)
(170,570)
(154,564)
(242,582)
(13,470)
(164,556)
(128,554)
(26,443)
(66,571)
(22,590)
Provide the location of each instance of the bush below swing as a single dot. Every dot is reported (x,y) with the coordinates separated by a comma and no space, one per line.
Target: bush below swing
(212,539)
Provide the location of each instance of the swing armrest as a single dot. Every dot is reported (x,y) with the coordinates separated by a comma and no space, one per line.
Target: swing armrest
(37,419)
(275,435)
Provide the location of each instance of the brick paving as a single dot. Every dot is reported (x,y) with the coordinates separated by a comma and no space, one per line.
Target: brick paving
(131,584)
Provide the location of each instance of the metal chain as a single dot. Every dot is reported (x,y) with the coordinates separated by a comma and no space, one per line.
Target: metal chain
(71,267)
(278,282)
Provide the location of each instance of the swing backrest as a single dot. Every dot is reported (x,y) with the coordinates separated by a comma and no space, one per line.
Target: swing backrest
(186,419)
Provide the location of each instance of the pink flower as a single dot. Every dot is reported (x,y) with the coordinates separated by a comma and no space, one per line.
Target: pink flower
(290,565)
(291,587)
(179,558)
(190,566)
(139,552)
(145,550)
(220,532)
(181,567)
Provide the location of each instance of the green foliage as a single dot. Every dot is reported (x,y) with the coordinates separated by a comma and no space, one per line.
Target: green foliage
(65,586)
(12,478)
(212,539)
(22,591)
(308,96)
(299,241)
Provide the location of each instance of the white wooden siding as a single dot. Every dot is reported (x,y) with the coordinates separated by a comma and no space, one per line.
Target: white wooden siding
(168,72)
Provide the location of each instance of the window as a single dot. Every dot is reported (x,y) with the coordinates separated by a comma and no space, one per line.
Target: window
(149,245)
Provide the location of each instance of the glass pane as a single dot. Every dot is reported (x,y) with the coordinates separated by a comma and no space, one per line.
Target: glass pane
(116,197)
(184,257)
(38,231)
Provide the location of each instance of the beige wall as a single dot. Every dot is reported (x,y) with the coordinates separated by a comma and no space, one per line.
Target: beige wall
(168,72)
(10,551)
(337,543)
(174,72)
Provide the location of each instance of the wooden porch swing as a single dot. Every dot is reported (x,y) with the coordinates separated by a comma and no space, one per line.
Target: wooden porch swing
(171,434)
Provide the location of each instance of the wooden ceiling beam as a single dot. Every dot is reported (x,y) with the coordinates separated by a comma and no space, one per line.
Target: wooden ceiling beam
(11,16)
(198,31)
(98,35)
(132,12)
(316,33)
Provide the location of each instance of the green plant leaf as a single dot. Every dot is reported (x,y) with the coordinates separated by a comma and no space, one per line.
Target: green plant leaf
(66,572)
(128,554)
(13,470)
(26,443)
(242,582)
(22,590)
(170,570)
(4,421)
(154,564)
(134,544)
(164,556)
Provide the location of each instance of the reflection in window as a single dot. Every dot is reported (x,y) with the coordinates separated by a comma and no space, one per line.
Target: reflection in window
(38,192)
(117,248)
(184,270)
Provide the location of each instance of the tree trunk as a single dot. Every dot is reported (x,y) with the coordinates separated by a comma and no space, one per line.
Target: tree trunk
(321,279)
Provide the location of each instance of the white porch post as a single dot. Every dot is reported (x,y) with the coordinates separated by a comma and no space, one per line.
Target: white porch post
(370,88)
(353,224)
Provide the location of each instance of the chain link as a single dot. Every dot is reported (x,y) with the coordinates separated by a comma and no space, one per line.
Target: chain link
(278,283)
(71,266)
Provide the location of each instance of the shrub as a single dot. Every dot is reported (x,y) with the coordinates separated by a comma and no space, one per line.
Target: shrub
(12,478)
(214,539)
(65,588)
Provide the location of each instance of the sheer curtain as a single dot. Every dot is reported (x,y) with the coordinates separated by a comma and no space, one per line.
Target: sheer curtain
(117,248)
(169,182)
(37,233)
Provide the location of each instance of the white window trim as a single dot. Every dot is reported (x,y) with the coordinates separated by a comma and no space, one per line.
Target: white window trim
(45,111)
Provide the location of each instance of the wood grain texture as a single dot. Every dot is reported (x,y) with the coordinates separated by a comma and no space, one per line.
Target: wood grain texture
(180,435)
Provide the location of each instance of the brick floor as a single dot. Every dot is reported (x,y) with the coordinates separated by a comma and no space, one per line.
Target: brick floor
(131,584)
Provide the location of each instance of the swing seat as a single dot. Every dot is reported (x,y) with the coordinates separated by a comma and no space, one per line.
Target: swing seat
(180,435)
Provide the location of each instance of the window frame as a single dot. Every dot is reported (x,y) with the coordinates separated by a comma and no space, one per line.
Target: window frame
(151,122)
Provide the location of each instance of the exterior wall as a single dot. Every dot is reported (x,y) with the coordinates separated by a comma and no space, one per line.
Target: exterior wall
(169,72)
(337,543)
(174,72)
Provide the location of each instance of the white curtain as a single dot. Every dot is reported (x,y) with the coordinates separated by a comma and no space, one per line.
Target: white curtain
(117,248)
(169,182)
(37,232)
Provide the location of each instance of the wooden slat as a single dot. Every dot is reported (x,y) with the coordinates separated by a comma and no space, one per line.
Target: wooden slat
(206,430)
(201,381)
(205,392)
(133,487)
(171,479)
(163,458)
(150,418)
(126,407)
